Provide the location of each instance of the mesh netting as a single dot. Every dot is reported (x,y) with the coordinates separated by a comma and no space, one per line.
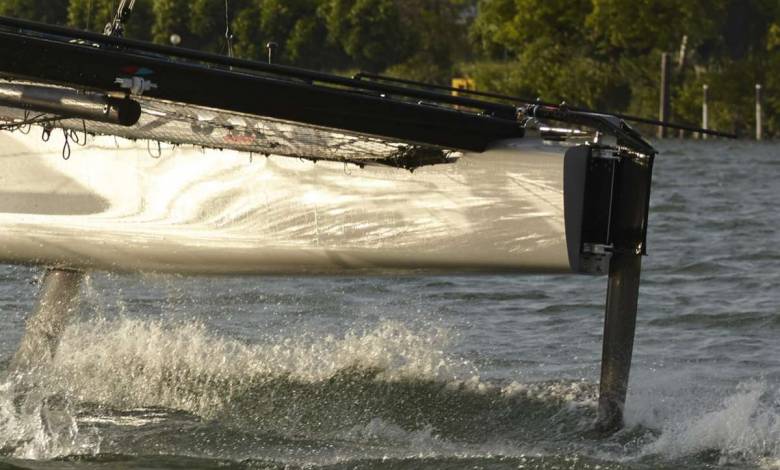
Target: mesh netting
(178,123)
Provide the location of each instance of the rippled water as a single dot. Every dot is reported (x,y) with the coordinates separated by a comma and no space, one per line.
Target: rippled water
(434,372)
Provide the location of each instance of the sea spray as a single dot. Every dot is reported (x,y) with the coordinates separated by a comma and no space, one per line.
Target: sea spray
(743,427)
(38,425)
(130,362)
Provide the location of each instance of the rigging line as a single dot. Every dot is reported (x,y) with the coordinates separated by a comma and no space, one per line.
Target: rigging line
(76,138)
(228,34)
(89,14)
(149,149)
(66,146)
(25,125)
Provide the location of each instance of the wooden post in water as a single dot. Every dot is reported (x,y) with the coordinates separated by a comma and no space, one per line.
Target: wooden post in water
(704,111)
(663,113)
(759,125)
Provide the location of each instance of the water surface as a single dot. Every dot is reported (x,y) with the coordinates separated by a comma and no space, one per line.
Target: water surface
(427,372)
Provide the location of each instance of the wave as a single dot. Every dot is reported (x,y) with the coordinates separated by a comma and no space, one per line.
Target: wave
(387,382)
(740,428)
(381,395)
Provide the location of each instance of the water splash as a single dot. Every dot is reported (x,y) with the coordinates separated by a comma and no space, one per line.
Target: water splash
(389,388)
(743,427)
(130,363)
(36,425)
(388,383)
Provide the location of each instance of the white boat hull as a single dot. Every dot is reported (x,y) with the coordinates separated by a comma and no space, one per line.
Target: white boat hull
(112,206)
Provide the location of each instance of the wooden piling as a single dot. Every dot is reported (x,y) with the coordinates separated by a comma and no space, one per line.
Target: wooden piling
(759,112)
(663,113)
(704,111)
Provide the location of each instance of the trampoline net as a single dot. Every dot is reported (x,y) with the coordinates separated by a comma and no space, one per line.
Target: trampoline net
(178,123)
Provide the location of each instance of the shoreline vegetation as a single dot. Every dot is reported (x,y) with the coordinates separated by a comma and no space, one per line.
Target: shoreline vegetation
(602,54)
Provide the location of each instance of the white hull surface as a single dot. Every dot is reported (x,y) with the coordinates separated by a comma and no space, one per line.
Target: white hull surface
(112,206)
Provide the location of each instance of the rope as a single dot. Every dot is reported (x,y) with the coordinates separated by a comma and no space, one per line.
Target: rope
(149,149)
(228,34)
(66,147)
(89,15)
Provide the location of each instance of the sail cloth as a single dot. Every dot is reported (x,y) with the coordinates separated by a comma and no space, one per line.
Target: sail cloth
(189,97)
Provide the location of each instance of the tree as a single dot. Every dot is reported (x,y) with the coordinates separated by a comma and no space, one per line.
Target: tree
(93,15)
(439,29)
(46,11)
(546,45)
(293,25)
(173,17)
(637,27)
(369,31)
(506,27)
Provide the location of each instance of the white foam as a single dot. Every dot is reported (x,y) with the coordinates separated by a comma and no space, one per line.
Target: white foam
(379,430)
(574,393)
(36,426)
(129,363)
(744,426)
(769,463)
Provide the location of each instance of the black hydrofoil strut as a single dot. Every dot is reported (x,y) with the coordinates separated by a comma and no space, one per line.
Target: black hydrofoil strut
(628,229)
(607,208)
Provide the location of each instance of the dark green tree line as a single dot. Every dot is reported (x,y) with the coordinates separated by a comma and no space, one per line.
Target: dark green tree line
(596,53)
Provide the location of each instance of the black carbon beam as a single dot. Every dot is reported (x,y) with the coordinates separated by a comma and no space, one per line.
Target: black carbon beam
(628,226)
(111,65)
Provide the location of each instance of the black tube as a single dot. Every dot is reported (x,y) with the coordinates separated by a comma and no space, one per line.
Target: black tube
(70,103)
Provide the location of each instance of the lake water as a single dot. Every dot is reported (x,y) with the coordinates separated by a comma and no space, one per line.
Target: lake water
(426,372)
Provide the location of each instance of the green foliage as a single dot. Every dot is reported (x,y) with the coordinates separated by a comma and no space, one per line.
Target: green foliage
(641,26)
(90,15)
(369,31)
(173,17)
(596,53)
(292,24)
(93,15)
(440,40)
(506,27)
(606,54)
(47,11)
(549,72)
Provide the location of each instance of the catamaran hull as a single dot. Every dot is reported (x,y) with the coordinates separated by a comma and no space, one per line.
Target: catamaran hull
(113,206)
